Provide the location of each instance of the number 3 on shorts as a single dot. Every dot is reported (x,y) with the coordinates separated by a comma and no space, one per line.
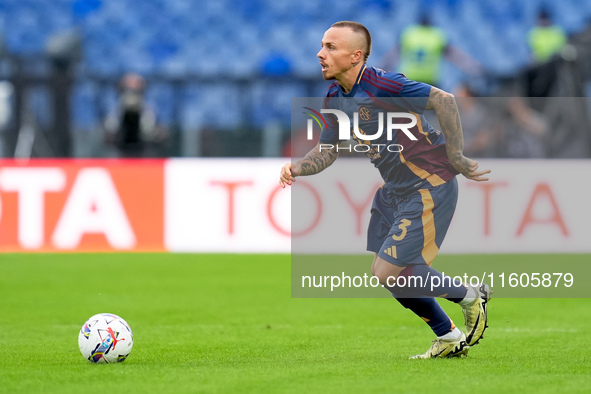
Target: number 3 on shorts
(402,226)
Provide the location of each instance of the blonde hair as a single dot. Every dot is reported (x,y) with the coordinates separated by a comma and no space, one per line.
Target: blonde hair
(358,28)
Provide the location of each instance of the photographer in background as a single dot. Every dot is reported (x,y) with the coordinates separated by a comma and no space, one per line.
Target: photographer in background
(133,128)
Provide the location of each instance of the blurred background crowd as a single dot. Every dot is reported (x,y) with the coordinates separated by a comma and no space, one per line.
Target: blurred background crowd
(159,78)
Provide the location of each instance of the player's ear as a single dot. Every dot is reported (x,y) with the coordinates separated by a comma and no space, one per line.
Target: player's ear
(357,56)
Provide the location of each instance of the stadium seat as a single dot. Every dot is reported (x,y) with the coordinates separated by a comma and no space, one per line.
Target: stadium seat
(177,37)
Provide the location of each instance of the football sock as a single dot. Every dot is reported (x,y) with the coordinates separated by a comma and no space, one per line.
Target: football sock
(432,283)
(428,309)
(455,333)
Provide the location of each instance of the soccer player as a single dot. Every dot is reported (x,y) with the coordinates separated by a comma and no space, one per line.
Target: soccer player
(412,211)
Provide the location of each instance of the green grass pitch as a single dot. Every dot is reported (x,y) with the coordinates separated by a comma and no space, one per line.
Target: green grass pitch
(227,323)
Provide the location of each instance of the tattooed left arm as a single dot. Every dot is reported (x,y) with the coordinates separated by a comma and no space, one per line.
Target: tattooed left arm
(444,105)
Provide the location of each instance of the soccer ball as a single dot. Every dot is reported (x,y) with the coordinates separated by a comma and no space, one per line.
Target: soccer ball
(105,338)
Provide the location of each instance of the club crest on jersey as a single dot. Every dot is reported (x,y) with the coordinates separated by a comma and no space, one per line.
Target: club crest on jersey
(364,114)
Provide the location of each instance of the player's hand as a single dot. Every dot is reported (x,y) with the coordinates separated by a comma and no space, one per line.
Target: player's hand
(469,168)
(287,176)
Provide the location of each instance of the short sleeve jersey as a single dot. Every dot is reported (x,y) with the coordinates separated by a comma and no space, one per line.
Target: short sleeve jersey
(404,163)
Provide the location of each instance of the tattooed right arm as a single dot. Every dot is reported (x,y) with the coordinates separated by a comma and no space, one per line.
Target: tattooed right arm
(315,161)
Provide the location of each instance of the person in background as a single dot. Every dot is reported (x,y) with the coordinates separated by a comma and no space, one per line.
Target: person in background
(133,128)
(420,52)
(545,39)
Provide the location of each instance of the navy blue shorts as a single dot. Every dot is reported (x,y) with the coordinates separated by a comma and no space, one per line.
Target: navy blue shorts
(409,231)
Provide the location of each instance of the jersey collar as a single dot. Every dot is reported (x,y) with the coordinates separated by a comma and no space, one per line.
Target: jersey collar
(354,88)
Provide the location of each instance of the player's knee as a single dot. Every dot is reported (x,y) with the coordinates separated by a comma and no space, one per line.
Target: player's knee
(385,278)
(386,272)
(378,273)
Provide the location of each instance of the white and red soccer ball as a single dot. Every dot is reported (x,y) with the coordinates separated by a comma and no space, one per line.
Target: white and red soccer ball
(105,338)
